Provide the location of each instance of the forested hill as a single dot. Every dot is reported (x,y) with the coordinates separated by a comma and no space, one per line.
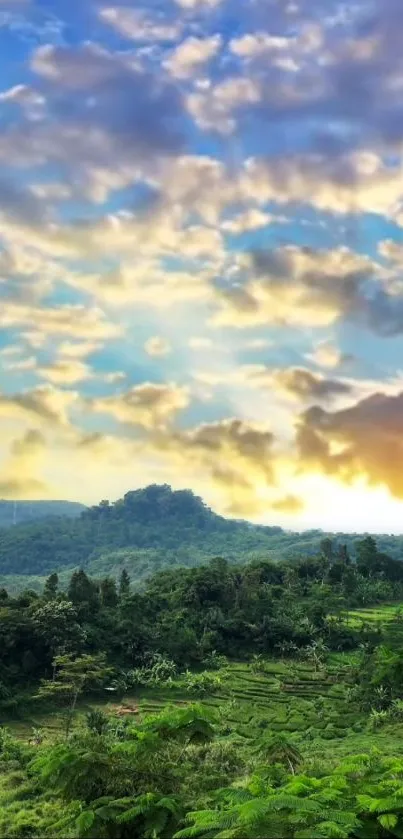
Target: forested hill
(170,526)
(18,512)
(151,529)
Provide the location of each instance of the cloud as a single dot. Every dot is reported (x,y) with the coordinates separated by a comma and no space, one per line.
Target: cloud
(200,343)
(20,364)
(149,406)
(74,321)
(216,108)
(19,474)
(233,459)
(198,4)
(289,505)
(299,383)
(191,55)
(135,25)
(342,181)
(73,349)
(302,384)
(251,219)
(328,355)
(364,440)
(294,286)
(105,116)
(65,372)
(157,346)
(42,405)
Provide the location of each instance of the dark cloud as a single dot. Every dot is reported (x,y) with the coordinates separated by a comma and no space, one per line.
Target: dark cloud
(304,384)
(306,286)
(364,440)
(350,75)
(103,112)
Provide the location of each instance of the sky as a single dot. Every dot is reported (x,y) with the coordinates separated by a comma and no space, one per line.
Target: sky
(201,253)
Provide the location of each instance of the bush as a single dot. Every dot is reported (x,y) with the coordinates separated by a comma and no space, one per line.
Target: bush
(200,684)
(97,722)
(215,661)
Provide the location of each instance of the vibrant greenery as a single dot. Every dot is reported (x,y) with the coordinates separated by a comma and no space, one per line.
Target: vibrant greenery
(257,762)
(148,531)
(227,700)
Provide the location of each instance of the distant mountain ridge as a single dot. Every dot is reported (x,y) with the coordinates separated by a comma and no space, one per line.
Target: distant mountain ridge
(149,530)
(18,512)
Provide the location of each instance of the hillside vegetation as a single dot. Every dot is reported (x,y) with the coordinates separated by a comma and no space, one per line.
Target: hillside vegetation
(230,701)
(149,530)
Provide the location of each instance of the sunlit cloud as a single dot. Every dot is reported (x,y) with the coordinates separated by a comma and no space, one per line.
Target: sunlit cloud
(200,254)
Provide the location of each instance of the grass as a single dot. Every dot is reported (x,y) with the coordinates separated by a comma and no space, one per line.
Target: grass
(288,696)
(373,615)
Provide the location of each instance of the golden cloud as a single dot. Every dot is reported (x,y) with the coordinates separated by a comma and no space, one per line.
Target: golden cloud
(232,459)
(365,440)
(19,474)
(65,372)
(150,406)
(294,286)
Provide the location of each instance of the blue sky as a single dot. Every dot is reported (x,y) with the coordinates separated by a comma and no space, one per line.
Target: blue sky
(201,250)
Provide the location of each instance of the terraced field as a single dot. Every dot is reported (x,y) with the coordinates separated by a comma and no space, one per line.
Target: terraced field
(287,697)
(374,614)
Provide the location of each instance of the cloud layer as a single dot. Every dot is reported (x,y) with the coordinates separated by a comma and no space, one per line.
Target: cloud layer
(200,251)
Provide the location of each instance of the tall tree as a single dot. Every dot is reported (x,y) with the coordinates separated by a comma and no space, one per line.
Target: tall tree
(51,587)
(83,592)
(108,592)
(71,677)
(124,584)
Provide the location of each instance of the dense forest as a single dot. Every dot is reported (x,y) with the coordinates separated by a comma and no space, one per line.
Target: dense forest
(253,700)
(234,696)
(146,531)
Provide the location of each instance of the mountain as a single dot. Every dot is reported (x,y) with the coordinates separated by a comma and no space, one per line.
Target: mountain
(18,512)
(148,530)
(176,525)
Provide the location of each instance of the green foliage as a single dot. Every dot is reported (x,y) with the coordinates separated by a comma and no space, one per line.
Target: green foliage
(200,684)
(265,755)
(156,528)
(97,721)
(70,678)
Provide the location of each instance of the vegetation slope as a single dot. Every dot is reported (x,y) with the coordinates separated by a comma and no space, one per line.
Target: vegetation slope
(147,531)
(225,701)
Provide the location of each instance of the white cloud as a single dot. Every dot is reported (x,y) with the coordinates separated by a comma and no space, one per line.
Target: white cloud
(135,25)
(216,108)
(190,56)
(199,4)
(157,346)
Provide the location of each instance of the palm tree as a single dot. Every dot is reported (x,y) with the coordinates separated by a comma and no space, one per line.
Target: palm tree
(150,815)
(277,748)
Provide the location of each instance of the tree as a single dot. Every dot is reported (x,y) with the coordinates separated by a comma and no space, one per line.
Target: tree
(56,624)
(83,592)
(316,652)
(277,748)
(343,554)
(51,587)
(124,585)
(71,677)
(367,556)
(109,595)
(326,549)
